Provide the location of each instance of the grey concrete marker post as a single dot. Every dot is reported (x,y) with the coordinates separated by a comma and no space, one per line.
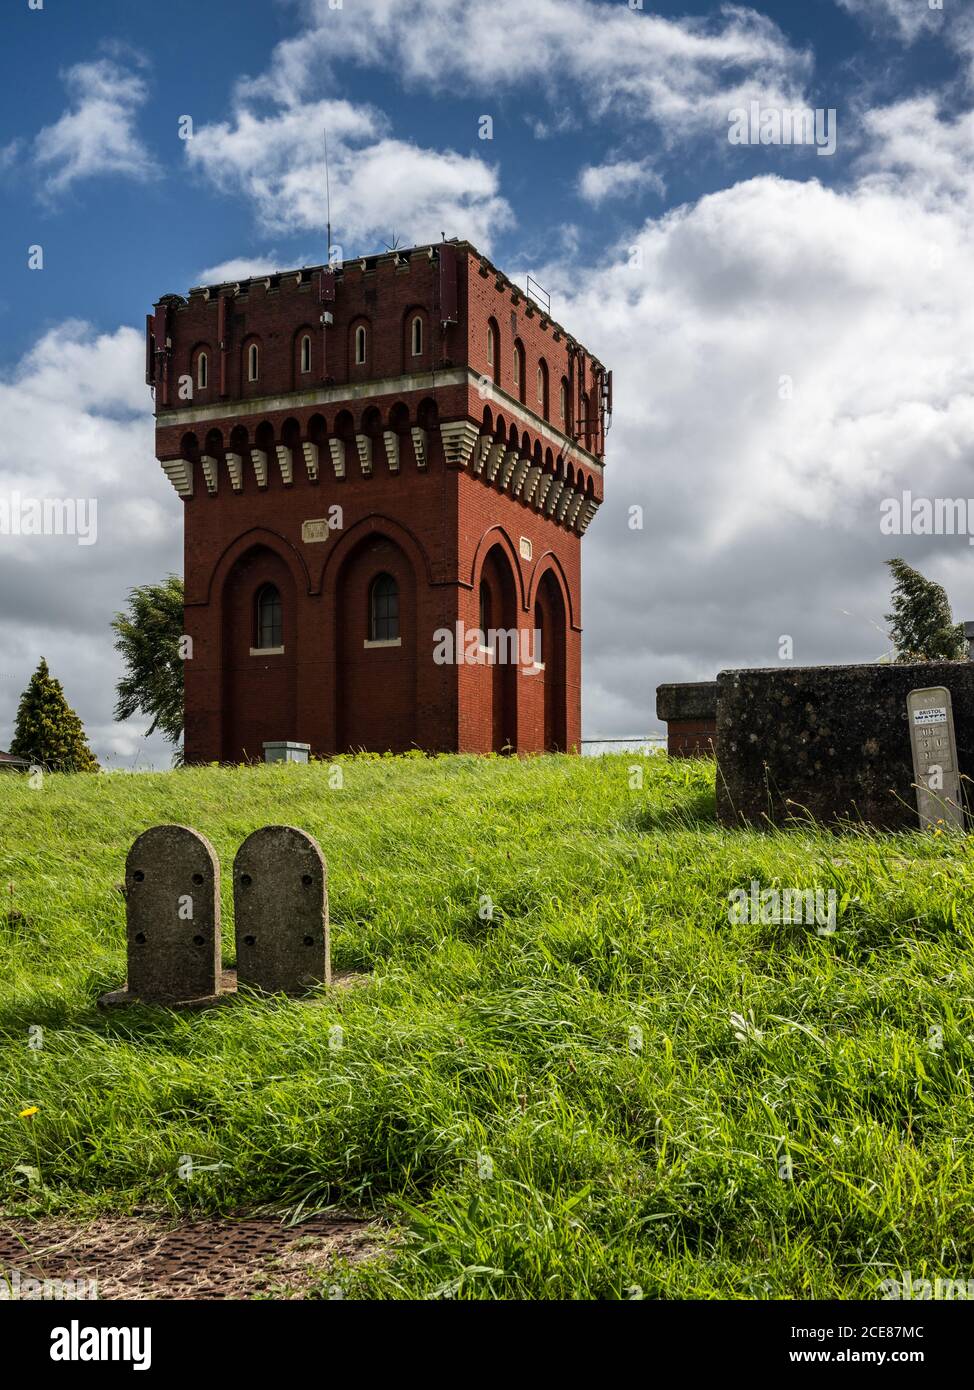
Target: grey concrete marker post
(172,906)
(935,769)
(280,908)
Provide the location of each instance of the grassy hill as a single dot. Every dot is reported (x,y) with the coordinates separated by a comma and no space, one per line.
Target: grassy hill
(553,1103)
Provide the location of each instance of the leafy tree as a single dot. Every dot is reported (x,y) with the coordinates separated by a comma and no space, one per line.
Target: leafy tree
(47,731)
(148,636)
(921,624)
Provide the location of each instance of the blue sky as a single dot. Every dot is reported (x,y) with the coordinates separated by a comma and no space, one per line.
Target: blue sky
(112,243)
(704,273)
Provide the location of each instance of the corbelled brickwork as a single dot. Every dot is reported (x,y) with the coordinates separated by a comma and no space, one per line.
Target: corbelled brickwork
(412,418)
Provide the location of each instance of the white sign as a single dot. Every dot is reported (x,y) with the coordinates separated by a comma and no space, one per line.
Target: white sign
(316,530)
(937,715)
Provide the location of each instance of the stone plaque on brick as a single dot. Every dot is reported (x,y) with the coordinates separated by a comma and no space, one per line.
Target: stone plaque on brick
(280,906)
(316,530)
(172,898)
(935,767)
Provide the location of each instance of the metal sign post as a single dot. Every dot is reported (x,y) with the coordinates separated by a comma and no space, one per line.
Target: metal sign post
(935,769)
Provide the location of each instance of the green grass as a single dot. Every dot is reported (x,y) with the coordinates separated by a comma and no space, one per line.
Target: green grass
(550,1104)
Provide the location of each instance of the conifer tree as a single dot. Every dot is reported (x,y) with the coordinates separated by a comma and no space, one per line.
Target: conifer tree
(921,624)
(47,731)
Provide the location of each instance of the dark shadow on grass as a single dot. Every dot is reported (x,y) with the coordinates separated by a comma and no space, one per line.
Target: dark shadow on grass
(696,811)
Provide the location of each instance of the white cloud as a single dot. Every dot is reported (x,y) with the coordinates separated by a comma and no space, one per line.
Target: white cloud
(78,425)
(682,73)
(910,149)
(762,512)
(97,134)
(379,185)
(908,19)
(960,35)
(243,268)
(620,178)
(10,153)
(561,121)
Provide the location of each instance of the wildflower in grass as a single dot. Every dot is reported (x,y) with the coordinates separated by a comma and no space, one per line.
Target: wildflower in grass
(28,1113)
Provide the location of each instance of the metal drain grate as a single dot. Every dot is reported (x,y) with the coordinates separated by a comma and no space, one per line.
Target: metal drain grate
(132,1258)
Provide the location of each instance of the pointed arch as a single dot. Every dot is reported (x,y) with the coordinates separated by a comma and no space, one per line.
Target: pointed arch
(497,596)
(497,535)
(550,561)
(256,536)
(550,625)
(258,624)
(375,619)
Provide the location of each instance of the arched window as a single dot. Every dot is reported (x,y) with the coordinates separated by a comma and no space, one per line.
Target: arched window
(543,387)
(306,353)
(269,618)
(564,402)
(417,336)
(201,372)
(360,345)
(253,362)
(491,346)
(519,370)
(383,609)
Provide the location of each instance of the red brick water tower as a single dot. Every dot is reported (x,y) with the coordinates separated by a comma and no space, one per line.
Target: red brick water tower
(371,456)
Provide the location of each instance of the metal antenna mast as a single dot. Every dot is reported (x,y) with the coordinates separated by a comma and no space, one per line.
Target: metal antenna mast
(324,131)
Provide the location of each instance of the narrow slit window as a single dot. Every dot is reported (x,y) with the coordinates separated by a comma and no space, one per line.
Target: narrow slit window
(253,362)
(417,336)
(201,372)
(484,611)
(360,345)
(306,353)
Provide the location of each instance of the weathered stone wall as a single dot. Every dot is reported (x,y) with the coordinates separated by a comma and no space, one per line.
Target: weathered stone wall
(832,742)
